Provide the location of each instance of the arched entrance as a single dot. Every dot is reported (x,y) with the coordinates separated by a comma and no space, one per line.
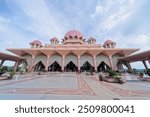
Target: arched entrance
(39,66)
(115,61)
(120,66)
(54,67)
(102,67)
(28,58)
(86,62)
(41,57)
(87,67)
(24,67)
(71,67)
(56,58)
(71,62)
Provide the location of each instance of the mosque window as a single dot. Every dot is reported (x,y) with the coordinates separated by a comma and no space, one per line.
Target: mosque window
(76,36)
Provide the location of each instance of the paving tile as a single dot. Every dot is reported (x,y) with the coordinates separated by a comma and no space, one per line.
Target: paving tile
(67,86)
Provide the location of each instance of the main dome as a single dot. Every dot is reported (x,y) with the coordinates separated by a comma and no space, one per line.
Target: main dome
(73,33)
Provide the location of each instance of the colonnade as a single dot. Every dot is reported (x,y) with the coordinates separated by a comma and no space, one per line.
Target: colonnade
(63,57)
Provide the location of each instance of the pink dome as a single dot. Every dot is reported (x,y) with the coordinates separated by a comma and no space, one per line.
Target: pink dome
(73,33)
(92,38)
(54,38)
(108,42)
(36,42)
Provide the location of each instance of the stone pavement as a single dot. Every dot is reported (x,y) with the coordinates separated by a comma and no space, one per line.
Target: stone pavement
(67,86)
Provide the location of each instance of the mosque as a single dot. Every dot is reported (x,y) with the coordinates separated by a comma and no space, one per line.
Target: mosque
(74,54)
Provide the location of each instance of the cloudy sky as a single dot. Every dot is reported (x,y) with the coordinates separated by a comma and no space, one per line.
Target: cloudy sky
(125,21)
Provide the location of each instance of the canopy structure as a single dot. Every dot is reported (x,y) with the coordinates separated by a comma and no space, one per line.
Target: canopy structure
(16,59)
(141,56)
(4,56)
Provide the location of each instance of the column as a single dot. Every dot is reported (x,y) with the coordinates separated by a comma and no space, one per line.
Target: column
(62,63)
(34,46)
(16,65)
(1,64)
(129,66)
(47,63)
(94,61)
(78,63)
(110,61)
(31,63)
(145,65)
(121,66)
(149,61)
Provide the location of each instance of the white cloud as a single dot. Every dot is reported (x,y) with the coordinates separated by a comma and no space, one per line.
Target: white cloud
(116,14)
(141,41)
(115,19)
(42,21)
(98,10)
(131,1)
(3,23)
(9,35)
(118,17)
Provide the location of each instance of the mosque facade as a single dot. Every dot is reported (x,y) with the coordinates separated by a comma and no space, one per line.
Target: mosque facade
(73,53)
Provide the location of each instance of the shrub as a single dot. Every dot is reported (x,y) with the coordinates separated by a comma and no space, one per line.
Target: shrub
(5,68)
(12,73)
(113,73)
(1,71)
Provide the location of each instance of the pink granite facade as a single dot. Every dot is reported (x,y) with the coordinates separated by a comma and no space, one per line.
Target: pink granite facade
(73,53)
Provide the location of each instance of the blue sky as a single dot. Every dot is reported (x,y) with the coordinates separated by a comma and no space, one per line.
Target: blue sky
(125,21)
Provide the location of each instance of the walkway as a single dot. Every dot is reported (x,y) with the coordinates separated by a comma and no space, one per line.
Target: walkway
(71,86)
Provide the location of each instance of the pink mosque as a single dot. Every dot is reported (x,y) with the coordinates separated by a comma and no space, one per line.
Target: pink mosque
(74,54)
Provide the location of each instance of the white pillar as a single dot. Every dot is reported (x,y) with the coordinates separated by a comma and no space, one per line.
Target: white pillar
(31,63)
(47,63)
(145,65)
(78,63)
(16,65)
(62,63)
(94,61)
(1,64)
(110,61)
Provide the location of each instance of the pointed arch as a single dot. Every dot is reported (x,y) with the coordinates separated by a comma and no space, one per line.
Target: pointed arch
(71,67)
(86,57)
(55,66)
(71,57)
(24,66)
(55,57)
(102,58)
(115,60)
(87,66)
(28,58)
(41,57)
(39,66)
(102,67)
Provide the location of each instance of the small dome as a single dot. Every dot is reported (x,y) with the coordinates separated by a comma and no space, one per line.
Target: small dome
(73,33)
(92,38)
(36,42)
(108,42)
(54,38)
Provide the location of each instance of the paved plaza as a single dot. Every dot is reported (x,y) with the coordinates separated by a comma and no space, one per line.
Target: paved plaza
(72,86)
